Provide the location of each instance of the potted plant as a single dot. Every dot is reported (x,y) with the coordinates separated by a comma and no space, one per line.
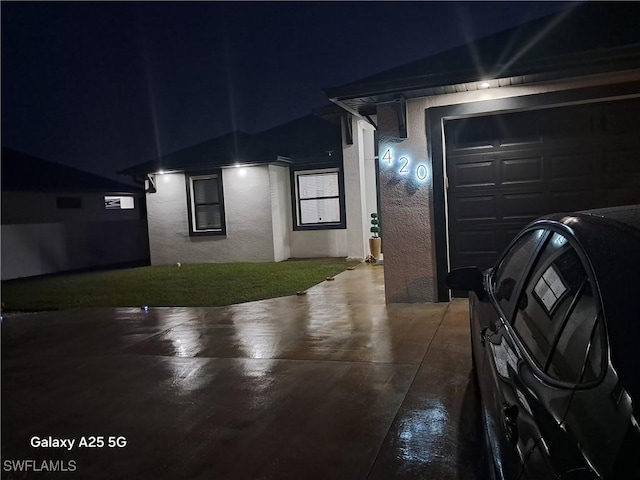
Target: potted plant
(375,242)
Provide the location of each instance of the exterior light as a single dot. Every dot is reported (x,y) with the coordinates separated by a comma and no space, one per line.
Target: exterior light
(485,85)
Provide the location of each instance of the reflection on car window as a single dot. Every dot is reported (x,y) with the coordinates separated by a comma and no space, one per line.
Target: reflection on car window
(581,331)
(557,314)
(510,269)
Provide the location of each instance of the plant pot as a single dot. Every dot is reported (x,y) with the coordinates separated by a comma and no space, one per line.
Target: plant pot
(375,246)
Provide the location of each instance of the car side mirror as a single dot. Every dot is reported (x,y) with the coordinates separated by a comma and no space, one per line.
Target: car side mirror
(467,278)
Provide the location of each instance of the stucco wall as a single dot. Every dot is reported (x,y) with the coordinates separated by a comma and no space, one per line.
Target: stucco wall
(38,249)
(258,217)
(406,211)
(406,204)
(248,200)
(319,243)
(355,193)
(281,212)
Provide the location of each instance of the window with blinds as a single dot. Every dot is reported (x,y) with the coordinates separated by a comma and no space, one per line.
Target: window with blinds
(206,212)
(319,202)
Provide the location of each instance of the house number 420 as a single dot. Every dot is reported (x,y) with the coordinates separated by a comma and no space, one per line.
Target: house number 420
(420,171)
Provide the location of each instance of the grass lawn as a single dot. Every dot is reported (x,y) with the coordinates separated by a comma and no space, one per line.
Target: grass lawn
(169,285)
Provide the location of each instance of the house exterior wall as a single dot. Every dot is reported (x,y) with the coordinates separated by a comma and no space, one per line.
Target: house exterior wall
(360,198)
(355,195)
(405,211)
(247,203)
(38,238)
(407,202)
(319,243)
(258,219)
(279,185)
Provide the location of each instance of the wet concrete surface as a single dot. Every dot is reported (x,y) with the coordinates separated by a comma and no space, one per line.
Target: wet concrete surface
(333,384)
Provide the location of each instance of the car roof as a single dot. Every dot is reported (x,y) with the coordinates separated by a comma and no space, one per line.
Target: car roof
(627,214)
(587,226)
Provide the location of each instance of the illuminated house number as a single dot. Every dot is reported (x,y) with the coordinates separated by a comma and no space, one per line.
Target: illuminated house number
(420,171)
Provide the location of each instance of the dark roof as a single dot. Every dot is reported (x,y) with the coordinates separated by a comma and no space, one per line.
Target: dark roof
(583,39)
(23,172)
(309,139)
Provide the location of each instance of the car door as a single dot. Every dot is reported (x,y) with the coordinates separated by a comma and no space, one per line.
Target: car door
(495,355)
(532,395)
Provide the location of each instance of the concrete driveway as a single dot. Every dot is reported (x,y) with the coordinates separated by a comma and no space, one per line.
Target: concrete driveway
(333,384)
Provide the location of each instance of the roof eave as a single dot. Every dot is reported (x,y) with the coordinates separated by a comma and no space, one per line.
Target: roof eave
(587,63)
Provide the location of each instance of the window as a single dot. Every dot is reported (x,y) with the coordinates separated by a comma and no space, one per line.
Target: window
(557,314)
(206,204)
(510,269)
(319,199)
(119,202)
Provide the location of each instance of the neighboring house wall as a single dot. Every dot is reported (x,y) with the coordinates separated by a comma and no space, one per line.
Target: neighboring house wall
(39,238)
(407,204)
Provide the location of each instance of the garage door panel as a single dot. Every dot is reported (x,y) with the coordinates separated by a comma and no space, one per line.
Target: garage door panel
(568,158)
(621,121)
(523,205)
(622,161)
(573,200)
(570,122)
(521,171)
(610,197)
(474,174)
(482,245)
(574,167)
(477,242)
(476,208)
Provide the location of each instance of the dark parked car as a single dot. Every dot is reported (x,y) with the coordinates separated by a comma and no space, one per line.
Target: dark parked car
(555,333)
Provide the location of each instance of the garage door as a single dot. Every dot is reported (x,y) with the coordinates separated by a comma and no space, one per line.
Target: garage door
(505,170)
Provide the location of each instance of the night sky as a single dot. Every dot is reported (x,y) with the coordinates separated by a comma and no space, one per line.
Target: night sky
(102,86)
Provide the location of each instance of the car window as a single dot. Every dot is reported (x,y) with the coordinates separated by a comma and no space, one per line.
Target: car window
(580,339)
(557,314)
(510,269)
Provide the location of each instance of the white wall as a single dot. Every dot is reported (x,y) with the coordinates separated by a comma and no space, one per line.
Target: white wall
(247,202)
(259,217)
(360,188)
(319,243)
(279,185)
